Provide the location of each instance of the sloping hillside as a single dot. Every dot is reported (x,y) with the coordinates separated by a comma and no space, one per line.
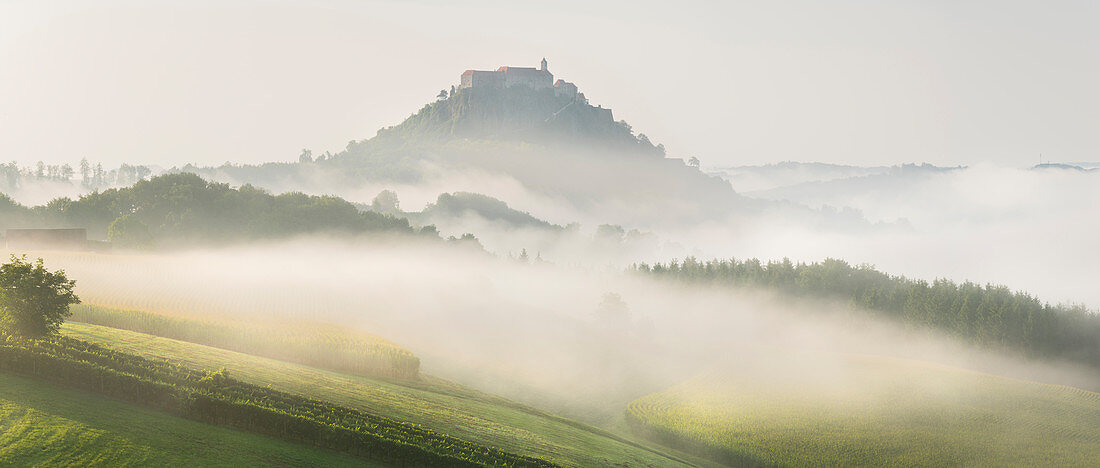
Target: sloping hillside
(550,146)
(435,404)
(43,424)
(431,403)
(803,409)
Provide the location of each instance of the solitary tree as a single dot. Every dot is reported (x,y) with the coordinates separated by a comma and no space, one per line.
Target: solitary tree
(85,171)
(33,300)
(693,162)
(613,314)
(442,94)
(386,202)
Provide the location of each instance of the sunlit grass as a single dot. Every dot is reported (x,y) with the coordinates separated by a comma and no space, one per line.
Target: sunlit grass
(312,343)
(435,404)
(871,411)
(42,424)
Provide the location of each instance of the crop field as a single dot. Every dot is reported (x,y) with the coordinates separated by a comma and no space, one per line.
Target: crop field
(314,344)
(435,404)
(873,411)
(42,424)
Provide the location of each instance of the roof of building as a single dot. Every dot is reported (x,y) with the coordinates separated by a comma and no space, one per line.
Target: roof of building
(507,69)
(471,72)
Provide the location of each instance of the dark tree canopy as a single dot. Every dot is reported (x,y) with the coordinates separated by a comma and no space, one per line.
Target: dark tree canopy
(33,300)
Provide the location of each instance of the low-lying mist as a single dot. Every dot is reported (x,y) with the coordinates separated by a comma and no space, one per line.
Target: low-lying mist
(579,339)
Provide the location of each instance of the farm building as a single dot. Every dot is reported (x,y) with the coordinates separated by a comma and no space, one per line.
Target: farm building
(46,239)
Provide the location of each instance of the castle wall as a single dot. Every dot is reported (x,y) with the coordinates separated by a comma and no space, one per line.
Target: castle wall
(565,88)
(534,79)
(482,79)
(603,114)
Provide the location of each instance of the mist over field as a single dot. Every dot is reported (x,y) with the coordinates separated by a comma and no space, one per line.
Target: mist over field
(987,223)
(535,332)
(656,235)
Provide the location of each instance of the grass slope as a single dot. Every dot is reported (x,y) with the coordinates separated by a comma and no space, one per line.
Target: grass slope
(311,343)
(42,424)
(872,411)
(433,403)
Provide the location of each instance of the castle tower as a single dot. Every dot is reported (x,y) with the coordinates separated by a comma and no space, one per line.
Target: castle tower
(543,64)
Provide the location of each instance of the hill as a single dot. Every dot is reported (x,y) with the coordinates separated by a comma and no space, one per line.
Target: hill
(550,146)
(992,316)
(431,403)
(312,343)
(784,174)
(184,209)
(216,398)
(451,207)
(516,113)
(893,182)
(799,409)
(44,424)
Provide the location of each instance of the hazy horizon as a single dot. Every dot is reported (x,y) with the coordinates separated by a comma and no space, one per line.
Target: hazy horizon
(863,83)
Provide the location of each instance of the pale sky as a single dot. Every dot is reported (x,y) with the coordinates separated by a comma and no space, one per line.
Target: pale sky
(735,82)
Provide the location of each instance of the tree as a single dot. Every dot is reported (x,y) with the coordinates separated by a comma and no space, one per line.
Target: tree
(306,156)
(33,300)
(442,94)
(610,233)
(452,90)
(693,162)
(85,171)
(129,232)
(98,176)
(613,314)
(386,202)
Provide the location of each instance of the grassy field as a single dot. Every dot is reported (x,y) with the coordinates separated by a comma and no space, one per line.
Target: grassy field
(311,343)
(872,411)
(42,424)
(433,403)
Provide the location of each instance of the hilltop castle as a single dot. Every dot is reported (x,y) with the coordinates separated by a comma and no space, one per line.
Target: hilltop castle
(507,77)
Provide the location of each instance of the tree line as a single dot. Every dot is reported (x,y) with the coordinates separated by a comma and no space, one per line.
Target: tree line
(986,315)
(183,208)
(91,176)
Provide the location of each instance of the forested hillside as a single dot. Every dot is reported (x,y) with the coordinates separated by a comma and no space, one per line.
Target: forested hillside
(989,315)
(183,209)
(516,113)
(460,204)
